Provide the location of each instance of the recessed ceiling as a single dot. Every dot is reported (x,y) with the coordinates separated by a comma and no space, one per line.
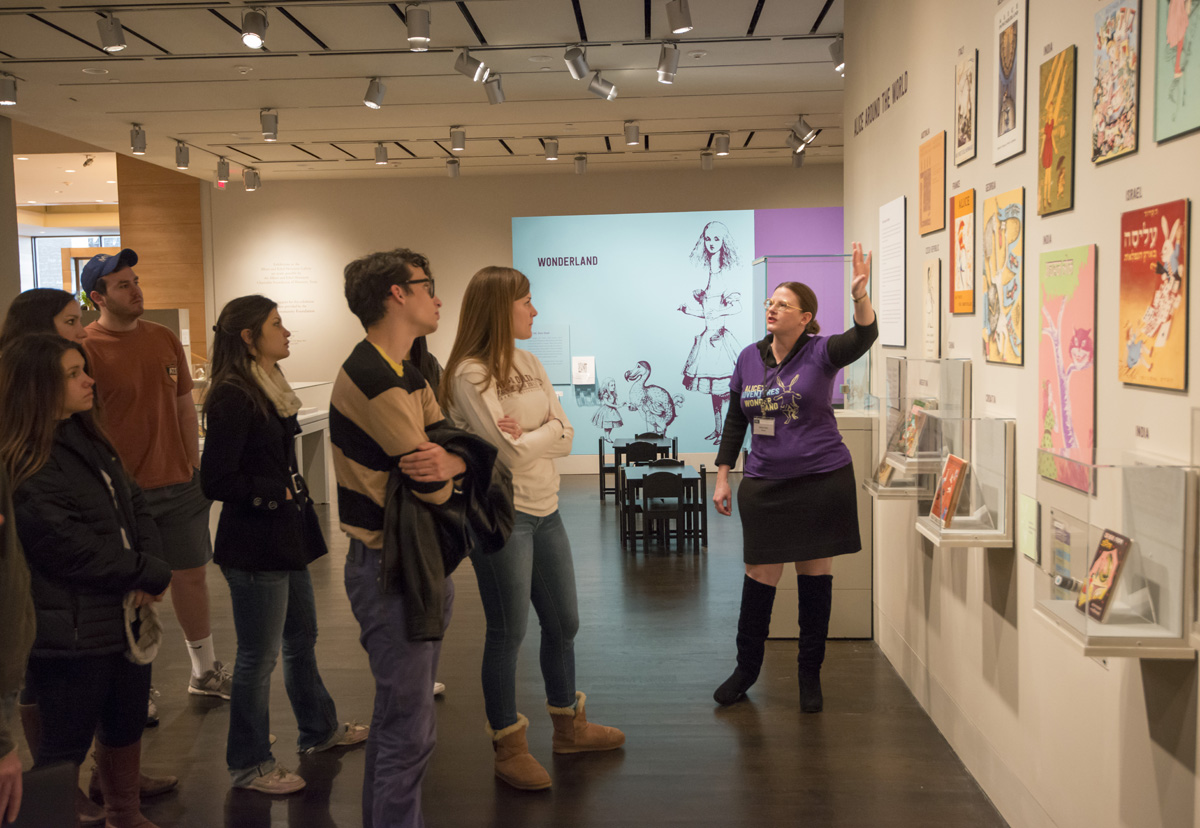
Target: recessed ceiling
(65,178)
(185,75)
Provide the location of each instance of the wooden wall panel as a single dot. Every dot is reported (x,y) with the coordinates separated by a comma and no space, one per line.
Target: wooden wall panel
(160,219)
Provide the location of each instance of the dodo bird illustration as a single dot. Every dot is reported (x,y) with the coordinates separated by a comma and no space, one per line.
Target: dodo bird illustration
(655,402)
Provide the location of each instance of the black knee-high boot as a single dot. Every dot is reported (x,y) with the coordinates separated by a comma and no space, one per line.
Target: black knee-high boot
(754,621)
(815,597)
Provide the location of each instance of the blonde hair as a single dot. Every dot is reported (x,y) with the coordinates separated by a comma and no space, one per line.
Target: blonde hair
(485,330)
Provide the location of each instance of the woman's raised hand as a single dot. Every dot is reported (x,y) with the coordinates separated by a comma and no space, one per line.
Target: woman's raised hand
(862,272)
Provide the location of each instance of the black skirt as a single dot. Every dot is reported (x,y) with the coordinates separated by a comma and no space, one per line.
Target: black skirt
(799,518)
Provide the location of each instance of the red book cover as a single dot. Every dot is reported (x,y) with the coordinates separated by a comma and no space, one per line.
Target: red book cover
(1101,584)
(945,500)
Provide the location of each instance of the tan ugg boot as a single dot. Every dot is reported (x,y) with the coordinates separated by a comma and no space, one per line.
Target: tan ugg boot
(119,771)
(514,764)
(573,733)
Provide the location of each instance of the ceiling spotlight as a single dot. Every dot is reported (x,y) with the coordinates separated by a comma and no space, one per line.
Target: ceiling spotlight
(137,140)
(112,36)
(381,158)
(678,16)
(551,149)
(494,91)
(804,131)
(8,90)
(581,164)
(576,59)
(270,125)
(458,139)
(837,53)
(254,28)
(182,155)
(471,67)
(418,28)
(668,63)
(798,160)
(631,134)
(251,180)
(223,170)
(602,88)
(88,160)
(706,160)
(452,167)
(375,91)
(722,142)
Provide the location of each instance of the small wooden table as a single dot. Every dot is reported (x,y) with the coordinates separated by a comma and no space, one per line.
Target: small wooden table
(695,495)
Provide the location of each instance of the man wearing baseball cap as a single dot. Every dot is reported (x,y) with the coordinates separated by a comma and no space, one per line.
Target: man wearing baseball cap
(145,394)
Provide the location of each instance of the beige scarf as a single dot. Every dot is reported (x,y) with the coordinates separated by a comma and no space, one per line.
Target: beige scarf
(277,389)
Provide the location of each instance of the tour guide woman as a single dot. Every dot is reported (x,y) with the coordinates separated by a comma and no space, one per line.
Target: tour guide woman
(798,497)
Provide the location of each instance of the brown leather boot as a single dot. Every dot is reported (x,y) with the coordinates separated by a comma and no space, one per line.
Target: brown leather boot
(89,815)
(514,764)
(573,733)
(119,771)
(148,786)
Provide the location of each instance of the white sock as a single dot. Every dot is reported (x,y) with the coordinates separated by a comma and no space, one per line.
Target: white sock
(203,655)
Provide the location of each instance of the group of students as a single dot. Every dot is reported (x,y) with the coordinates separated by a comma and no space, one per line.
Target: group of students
(109,496)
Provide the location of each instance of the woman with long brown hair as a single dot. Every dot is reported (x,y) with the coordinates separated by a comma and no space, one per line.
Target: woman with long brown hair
(502,394)
(93,550)
(43,310)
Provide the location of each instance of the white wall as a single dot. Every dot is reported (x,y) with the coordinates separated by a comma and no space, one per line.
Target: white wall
(292,239)
(1054,738)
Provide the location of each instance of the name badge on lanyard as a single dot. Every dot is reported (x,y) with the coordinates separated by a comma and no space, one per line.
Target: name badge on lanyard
(764,426)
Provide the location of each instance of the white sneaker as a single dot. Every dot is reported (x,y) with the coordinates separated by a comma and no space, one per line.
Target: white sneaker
(438,688)
(352,734)
(215,682)
(279,781)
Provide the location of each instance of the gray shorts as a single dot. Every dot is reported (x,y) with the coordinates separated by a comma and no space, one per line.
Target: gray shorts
(181,513)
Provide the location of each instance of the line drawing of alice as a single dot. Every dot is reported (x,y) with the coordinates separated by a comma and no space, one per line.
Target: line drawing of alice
(714,351)
(608,417)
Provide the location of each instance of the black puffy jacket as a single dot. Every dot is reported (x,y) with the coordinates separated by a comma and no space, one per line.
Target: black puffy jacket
(70,522)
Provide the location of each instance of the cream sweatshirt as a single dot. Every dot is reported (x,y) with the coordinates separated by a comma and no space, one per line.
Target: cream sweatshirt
(528,397)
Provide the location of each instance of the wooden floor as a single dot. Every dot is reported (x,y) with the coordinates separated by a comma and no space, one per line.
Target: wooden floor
(656,638)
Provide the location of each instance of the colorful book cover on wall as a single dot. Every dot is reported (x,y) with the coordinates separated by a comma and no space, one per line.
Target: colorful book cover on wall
(1067,365)
(962,252)
(914,424)
(1153,315)
(931,310)
(1004,277)
(1115,64)
(1096,597)
(931,182)
(950,486)
(1008,121)
(1176,68)
(1056,132)
(965,97)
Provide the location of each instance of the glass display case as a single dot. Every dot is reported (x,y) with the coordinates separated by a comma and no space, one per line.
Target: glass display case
(829,276)
(907,461)
(973,501)
(1116,571)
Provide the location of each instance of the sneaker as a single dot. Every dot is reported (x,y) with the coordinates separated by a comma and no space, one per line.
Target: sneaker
(216,682)
(438,688)
(279,781)
(352,734)
(152,709)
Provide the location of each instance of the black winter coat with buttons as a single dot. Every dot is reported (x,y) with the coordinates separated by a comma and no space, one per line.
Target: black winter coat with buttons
(70,520)
(247,465)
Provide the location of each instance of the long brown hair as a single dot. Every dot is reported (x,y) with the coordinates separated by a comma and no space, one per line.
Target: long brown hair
(485,330)
(808,302)
(33,312)
(231,355)
(31,385)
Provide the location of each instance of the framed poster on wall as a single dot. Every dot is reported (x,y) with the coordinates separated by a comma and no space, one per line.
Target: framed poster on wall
(962,252)
(1056,132)
(1115,64)
(1004,277)
(931,185)
(1176,68)
(931,310)
(965,98)
(1153,316)
(1008,111)
(1067,365)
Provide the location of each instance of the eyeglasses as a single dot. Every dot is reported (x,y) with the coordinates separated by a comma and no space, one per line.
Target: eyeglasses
(427,282)
(783,306)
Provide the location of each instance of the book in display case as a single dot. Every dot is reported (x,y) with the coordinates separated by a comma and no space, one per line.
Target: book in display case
(1117,570)
(907,461)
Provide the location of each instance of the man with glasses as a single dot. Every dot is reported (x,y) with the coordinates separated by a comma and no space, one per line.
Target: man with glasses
(379,412)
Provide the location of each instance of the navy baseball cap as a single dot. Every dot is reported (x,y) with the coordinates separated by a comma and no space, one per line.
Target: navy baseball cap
(100,266)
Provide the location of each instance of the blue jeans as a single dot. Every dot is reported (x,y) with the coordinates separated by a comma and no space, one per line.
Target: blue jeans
(535,567)
(270,609)
(404,724)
